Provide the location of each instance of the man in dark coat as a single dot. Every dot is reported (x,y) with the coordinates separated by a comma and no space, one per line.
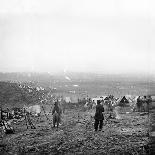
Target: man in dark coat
(56,108)
(139,104)
(56,112)
(148,101)
(99,117)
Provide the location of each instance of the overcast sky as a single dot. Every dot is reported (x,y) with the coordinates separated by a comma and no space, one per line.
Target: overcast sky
(106,36)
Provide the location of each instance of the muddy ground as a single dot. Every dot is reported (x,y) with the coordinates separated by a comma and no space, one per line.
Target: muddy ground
(76,135)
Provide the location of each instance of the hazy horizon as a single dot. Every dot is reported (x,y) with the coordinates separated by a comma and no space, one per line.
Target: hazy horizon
(105,37)
(62,73)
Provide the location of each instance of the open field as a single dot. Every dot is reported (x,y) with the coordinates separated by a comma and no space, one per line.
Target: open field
(128,135)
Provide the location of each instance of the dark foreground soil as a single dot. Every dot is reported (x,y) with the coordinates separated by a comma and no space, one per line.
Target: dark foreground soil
(128,135)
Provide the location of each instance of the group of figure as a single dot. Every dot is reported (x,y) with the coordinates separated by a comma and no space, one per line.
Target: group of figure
(143,103)
(101,107)
(57,111)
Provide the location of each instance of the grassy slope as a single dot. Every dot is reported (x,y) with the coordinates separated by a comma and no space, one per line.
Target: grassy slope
(12,95)
(76,135)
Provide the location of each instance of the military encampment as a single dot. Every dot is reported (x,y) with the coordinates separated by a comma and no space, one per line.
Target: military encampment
(36,121)
(77,77)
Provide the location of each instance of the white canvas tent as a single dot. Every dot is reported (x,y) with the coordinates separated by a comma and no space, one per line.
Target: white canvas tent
(74,99)
(34,109)
(123,101)
(129,98)
(99,99)
(67,99)
(96,99)
(104,97)
(153,98)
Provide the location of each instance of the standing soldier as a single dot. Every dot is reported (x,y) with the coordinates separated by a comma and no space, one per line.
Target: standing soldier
(93,104)
(99,117)
(56,112)
(139,104)
(149,100)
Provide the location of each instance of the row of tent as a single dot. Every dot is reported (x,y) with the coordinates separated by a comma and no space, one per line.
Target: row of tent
(74,99)
(122,99)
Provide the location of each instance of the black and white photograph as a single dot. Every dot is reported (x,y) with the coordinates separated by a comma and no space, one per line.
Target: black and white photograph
(77,77)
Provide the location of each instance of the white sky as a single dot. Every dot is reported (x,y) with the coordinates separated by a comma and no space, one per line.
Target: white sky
(108,36)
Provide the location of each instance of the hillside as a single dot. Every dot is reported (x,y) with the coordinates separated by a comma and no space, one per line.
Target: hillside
(76,135)
(128,135)
(12,94)
(87,83)
(74,85)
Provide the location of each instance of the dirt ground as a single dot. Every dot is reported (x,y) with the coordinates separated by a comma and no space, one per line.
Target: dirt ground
(76,135)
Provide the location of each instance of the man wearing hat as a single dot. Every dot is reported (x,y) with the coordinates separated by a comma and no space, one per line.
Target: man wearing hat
(99,116)
(56,112)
